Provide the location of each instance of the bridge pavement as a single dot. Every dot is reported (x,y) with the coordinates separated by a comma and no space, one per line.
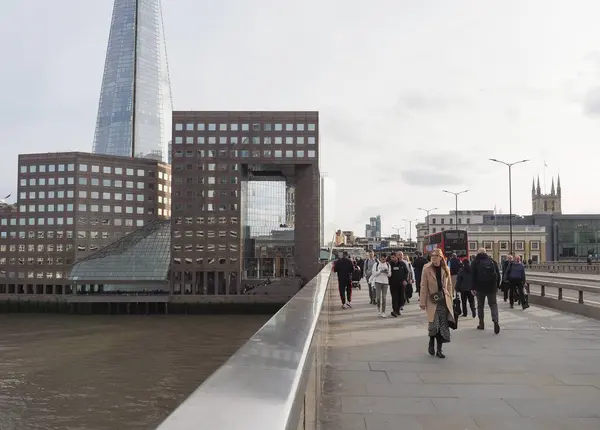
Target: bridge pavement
(541,372)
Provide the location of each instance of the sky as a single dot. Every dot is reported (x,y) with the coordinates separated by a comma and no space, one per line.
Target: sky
(414,95)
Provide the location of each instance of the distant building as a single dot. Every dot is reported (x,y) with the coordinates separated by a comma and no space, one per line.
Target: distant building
(373,229)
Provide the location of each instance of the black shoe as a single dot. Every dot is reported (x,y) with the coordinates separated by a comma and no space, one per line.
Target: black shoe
(431,348)
(394,314)
(464,314)
(473,313)
(512,306)
(481,326)
(440,354)
(496,327)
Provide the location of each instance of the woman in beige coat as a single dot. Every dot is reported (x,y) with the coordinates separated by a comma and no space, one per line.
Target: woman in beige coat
(436,298)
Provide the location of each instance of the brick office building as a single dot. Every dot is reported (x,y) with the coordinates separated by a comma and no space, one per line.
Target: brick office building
(245,198)
(70,205)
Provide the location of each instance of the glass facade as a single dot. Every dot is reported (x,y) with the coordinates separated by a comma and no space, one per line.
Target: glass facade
(577,237)
(268,214)
(135,108)
(143,255)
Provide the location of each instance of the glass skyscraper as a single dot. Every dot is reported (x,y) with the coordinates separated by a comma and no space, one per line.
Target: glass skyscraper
(135,109)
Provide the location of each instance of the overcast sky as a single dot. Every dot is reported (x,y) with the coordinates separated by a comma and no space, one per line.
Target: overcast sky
(414,95)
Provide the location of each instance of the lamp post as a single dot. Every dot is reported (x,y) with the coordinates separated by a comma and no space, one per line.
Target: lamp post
(427,217)
(409,221)
(510,229)
(397,229)
(456,205)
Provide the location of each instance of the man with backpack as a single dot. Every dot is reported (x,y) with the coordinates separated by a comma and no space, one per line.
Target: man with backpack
(515,275)
(486,280)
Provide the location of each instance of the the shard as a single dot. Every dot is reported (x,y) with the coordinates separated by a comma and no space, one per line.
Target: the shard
(134,113)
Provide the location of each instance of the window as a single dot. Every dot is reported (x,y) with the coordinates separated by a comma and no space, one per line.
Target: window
(488,245)
(503,245)
(312,127)
(472,246)
(519,245)
(535,245)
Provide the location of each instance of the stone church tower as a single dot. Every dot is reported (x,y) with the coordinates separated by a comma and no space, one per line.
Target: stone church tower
(546,203)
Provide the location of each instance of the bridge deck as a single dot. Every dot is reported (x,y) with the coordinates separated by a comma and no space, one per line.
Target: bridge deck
(541,372)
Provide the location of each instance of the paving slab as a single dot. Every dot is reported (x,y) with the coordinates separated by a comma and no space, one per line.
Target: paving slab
(540,372)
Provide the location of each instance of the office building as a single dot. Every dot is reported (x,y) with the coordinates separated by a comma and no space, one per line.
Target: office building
(69,206)
(328,217)
(134,112)
(373,229)
(246,192)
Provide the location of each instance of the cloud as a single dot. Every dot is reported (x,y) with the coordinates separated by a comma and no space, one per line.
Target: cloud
(591,102)
(430,178)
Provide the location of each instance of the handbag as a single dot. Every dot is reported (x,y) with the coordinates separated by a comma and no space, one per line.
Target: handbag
(437,298)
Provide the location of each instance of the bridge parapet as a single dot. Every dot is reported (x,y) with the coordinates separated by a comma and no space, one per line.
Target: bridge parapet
(274,380)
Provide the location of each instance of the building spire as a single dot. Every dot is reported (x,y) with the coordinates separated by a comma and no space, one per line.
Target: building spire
(552,190)
(538,189)
(558,185)
(533,186)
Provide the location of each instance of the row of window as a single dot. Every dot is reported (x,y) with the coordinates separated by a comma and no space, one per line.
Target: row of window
(107,170)
(82,180)
(201,220)
(201,126)
(245,140)
(30,261)
(127,222)
(207,180)
(33,275)
(450,221)
(503,245)
(210,167)
(198,247)
(81,207)
(200,260)
(244,153)
(206,207)
(201,233)
(42,248)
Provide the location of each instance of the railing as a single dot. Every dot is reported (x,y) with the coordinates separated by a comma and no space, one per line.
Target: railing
(568,267)
(566,294)
(273,382)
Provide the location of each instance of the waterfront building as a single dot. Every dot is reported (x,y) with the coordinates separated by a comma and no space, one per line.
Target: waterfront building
(71,205)
(246,198)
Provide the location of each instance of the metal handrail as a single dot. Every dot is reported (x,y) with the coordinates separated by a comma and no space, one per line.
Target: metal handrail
(263,385)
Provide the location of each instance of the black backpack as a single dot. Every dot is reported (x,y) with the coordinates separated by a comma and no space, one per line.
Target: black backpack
(486,272)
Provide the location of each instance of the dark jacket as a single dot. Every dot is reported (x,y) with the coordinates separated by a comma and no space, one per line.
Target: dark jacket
(515,272)
(344,268)
(418,265)
(464,280)
(476,267)
(455,266)
(399,272)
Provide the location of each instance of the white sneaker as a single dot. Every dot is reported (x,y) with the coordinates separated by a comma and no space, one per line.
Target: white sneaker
(349,304)
(383,315)
(344,306)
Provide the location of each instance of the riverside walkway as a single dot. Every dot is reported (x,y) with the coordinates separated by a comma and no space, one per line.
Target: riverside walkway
(541,371)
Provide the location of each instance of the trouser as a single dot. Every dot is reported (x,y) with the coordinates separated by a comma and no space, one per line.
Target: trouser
(397,292)
(516,287)
(345,287)
(492,302)
(418,285)
(381,291)
(505,290)
(371,285)
(464,297)
(453,277)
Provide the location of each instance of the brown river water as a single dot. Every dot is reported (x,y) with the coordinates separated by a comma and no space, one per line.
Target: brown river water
(74,372)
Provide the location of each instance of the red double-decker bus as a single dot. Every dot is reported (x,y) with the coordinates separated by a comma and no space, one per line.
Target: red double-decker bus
(449,241)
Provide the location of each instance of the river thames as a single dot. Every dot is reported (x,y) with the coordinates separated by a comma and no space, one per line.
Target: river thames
(108,372)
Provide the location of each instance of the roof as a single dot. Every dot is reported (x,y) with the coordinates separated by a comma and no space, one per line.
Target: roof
(143,255)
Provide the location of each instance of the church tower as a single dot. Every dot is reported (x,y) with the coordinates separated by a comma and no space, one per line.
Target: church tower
(546,203)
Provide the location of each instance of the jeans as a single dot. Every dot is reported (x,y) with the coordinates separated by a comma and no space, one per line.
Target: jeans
(464,297)
(381,291)
(516,286)
(345,287)
(492,302)
(372,296)
(397,292)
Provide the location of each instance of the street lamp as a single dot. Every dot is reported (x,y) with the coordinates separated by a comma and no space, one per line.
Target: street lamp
(509,165)
(409,221)
(427,212)
(456,205)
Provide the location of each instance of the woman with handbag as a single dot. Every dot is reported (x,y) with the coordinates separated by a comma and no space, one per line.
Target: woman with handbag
(436,298)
